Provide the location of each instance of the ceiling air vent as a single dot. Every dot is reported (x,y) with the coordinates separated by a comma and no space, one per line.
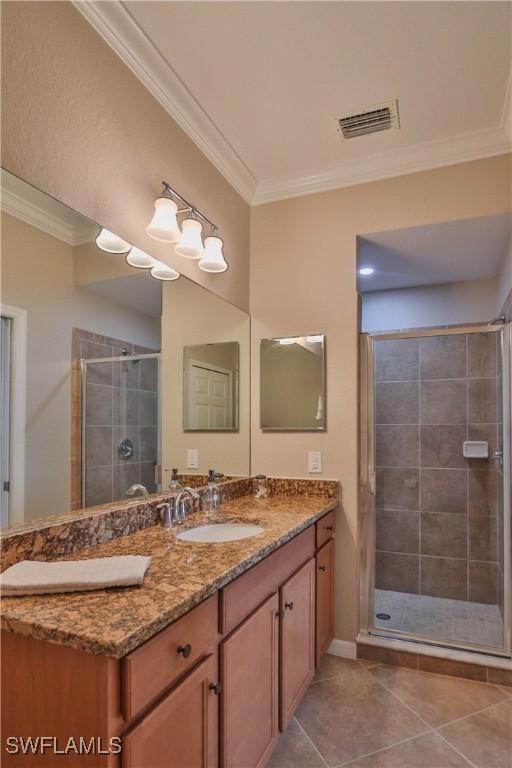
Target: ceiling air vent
(381,118)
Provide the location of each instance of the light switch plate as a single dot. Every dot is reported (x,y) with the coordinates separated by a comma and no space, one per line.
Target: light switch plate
(192,458)
(314,461)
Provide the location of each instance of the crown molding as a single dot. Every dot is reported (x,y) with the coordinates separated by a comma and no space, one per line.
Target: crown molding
(20,208)
(118,28)
(385,165)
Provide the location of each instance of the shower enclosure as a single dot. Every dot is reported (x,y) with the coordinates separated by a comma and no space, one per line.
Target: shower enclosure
(435,519)
(120,426)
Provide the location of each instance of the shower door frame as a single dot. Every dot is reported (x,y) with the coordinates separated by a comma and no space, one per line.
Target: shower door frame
(367,491)
(84,362)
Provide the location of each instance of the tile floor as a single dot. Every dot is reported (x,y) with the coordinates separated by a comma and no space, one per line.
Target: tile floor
(366,715)
(440,617)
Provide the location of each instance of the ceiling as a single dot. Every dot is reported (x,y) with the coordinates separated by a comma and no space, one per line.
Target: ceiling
(258,85)
(454,251)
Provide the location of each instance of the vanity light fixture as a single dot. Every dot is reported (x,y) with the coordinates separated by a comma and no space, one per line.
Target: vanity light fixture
(190,245)
(164,224)
(111,243)
(162,271)
(164,227)
(140,259)
(286,341)
(213,259)
(366,271)
(318,339)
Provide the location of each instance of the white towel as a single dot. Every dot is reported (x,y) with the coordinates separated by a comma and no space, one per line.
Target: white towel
(32,577)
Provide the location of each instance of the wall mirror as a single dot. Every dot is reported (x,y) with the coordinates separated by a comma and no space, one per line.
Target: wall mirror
(210,387)
(92,352)
(292,383)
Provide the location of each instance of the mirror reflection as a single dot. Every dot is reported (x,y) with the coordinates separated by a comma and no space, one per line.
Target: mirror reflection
(292,383)
(92,380)
(210,387)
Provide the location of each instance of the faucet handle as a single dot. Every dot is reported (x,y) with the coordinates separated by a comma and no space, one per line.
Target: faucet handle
(166,511)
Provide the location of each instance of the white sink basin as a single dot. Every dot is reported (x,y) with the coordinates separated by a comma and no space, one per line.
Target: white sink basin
(220,532)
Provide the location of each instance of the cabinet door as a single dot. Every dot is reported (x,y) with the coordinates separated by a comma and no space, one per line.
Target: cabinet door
(297,639)
(324,599)
(181,731)
(249,699)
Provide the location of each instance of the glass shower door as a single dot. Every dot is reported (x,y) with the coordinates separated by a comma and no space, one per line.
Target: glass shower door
(120,426)
(440,498)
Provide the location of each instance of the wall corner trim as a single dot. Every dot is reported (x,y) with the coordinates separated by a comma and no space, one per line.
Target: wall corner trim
(343,648)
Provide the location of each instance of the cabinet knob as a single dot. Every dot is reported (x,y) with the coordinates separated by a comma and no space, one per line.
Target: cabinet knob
(185,650)
(329,528)
(216,688)
(289,606)
(280,614)
(321,567)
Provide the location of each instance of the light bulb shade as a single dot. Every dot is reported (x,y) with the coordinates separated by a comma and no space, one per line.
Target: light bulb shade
(213,258)
(111,243)
(164,225)
(163,272)
(140,259)
(190,245)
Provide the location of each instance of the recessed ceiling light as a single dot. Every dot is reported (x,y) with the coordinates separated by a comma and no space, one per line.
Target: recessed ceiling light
(366,271)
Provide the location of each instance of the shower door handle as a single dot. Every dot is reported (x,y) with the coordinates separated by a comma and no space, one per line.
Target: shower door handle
(497,457)
(371,481)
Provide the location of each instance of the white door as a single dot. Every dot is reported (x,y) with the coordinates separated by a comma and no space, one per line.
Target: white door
(209,403)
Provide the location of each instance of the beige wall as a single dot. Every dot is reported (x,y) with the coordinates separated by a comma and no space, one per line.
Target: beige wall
(472,301)
(37,275)
(303,261)
(192,315)
(79,125)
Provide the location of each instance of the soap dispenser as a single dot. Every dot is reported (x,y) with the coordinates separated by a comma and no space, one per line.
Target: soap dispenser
(212,495)
(174,485)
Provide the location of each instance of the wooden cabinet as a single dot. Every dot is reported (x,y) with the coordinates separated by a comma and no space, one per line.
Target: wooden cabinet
(249,698)
(297,639)
(181,731)
(324,599)
(259,637)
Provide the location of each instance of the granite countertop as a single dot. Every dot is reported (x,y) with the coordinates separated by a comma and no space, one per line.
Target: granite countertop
(115,621)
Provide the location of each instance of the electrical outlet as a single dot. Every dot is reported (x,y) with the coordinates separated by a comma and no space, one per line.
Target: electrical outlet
(315,461)
(192,458)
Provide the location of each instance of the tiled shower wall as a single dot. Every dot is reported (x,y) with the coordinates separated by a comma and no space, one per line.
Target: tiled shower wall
(437,512)
(121,403)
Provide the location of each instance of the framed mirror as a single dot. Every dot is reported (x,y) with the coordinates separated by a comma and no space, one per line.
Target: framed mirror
(91,367)
(210,387)
(292,384)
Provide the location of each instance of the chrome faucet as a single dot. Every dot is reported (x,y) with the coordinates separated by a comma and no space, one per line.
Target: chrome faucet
(180,501)
(138,488)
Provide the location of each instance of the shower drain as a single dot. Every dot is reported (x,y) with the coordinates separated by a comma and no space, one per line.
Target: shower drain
(383,616)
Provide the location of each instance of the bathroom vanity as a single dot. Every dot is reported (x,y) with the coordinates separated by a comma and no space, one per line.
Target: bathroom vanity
(203,665)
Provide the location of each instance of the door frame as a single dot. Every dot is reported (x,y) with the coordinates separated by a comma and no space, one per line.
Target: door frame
(367,491)
(18,383)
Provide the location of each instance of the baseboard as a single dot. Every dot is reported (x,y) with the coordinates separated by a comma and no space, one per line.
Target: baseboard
(343,648)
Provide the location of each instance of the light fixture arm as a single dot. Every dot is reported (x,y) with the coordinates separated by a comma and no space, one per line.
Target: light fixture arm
(189,208)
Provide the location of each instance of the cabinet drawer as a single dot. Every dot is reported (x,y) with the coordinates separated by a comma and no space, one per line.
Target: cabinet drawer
(325,528)
(243,595)
(151,668)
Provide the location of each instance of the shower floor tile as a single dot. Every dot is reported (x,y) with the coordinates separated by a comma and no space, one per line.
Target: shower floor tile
(440,617)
